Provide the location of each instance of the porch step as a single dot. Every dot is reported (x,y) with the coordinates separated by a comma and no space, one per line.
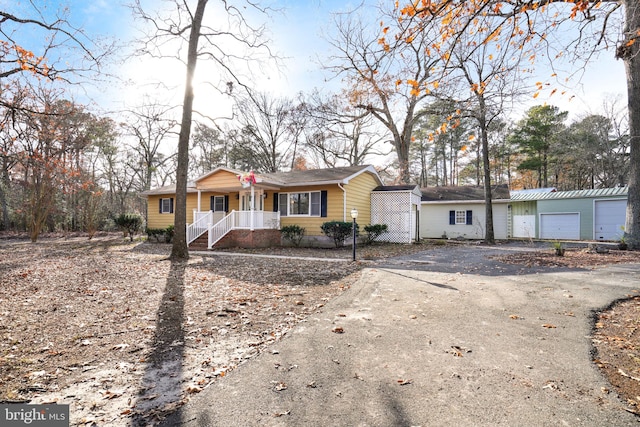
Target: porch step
(200,244)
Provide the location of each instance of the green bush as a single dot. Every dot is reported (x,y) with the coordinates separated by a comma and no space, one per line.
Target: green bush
(338,231)
(293,234)
(155,233)
(129,224)
(374,231)
(165,233)
(168,234)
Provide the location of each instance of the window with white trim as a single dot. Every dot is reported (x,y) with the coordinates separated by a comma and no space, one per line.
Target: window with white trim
(300,204)
(218,204)
(166,206)
(461,217)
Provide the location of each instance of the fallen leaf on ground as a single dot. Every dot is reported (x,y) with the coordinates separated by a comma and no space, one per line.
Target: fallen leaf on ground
(280,386)
(549,326)
(338,330)
(458,351)
(404,382)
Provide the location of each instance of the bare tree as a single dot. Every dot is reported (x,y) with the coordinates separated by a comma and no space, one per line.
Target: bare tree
(62,53)
(208,149)
(149,125)
(337,133)
(372,67)
(491,78)
(267,131)
(224,42)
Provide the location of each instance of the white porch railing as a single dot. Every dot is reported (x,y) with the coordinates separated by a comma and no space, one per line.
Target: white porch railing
(242,220)
(202,222)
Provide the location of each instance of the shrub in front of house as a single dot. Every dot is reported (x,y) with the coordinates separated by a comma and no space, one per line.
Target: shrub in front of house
(293,234)
(155,233)
(374,231)
(161,234)
(338,231)
(168,234)
(129,224)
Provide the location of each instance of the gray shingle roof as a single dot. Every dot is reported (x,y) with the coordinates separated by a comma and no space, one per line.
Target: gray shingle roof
(315,176)
(466,192)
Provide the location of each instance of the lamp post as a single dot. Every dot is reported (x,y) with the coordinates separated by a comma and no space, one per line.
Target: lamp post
(354,215)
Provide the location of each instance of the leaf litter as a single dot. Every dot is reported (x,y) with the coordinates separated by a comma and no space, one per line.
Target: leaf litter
(78,319)
(79,322)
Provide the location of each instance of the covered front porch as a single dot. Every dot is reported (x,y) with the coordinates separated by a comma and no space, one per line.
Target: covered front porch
(237,207)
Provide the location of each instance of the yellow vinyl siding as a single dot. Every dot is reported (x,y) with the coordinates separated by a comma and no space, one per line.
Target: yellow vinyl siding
(192,203)
(157,220)
(312,223)
(154,218)
(359,197)
(220,179)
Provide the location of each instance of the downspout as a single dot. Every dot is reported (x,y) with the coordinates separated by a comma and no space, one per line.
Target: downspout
(344,202)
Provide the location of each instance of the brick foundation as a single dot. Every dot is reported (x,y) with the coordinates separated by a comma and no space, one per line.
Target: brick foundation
(250,239)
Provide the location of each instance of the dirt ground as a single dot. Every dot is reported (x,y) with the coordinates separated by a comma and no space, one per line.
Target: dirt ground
(126,336)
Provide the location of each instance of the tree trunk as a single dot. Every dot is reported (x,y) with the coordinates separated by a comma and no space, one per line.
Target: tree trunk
(632,68)
(402,151)
(4,190)
(180,249)
(489,237)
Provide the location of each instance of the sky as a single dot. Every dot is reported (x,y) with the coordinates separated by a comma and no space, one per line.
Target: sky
(298,30)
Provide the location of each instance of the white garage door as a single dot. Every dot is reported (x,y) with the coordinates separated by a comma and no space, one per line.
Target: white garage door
(524,226)
(610,217)
(560,226)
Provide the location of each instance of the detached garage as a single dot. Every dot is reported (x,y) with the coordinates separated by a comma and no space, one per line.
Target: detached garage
(460,212)
(563,226)
(610,218)
(597,214)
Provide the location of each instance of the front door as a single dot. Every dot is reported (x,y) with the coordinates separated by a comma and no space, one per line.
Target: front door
(245,201)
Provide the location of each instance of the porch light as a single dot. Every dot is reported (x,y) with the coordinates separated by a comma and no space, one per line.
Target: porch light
(354,215)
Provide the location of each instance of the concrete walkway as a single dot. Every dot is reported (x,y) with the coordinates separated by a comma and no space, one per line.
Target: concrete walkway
(422,347)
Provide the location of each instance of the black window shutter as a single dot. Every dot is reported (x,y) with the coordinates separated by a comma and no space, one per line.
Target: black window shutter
(452,217)
(171,205)
(276,198)
(160,205)
(226,203)
(469,217)
(323,203)
(212,203)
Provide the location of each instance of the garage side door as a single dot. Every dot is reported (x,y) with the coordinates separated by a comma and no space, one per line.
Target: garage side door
(610,217)
(560,226)
(524,226)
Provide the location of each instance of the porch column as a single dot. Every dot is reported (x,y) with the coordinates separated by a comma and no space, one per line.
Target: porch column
(199,196)
(253,202)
